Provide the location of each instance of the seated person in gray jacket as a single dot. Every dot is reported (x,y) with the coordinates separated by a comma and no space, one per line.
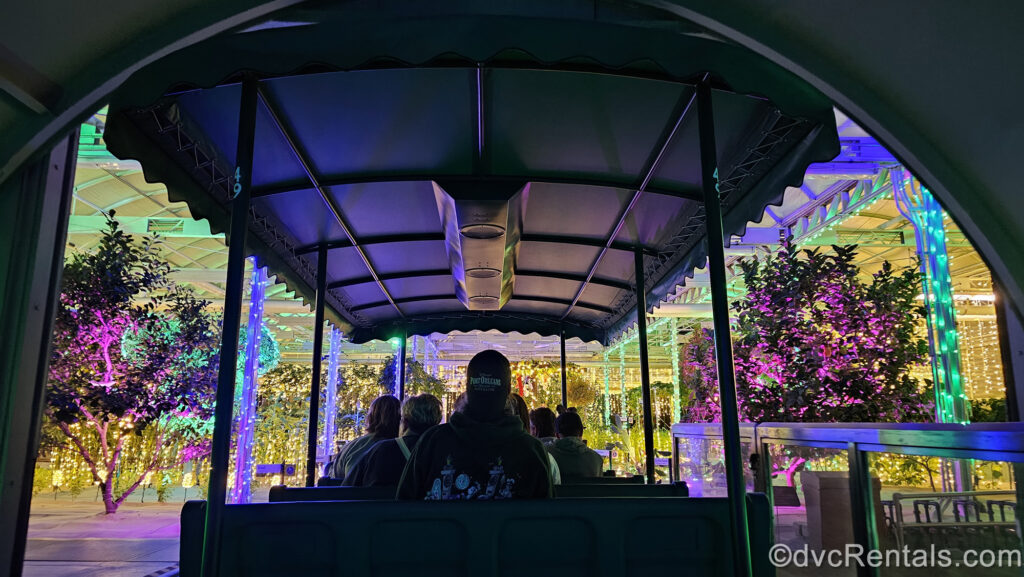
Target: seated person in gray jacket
(573,456)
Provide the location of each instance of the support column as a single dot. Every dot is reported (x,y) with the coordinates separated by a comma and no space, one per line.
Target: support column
(645,375)
(918,206)
(723,340)
(220,450)
(326,450)
(35,203)
(623,413)
(318,354)
(565,383)
(862,510)
(1011,349)
(677,409)
(401,367)
(607,392)
(241,492)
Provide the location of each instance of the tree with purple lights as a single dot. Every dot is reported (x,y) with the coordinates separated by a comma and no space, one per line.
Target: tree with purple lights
(817,343)
(697,375)
(132,353)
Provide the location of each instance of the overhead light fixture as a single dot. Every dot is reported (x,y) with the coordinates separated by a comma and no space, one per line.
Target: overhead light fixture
(483,272)
(482,231)
(485,302)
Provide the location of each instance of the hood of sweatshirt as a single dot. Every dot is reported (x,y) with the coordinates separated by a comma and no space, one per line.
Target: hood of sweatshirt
(483,434)
(571,445)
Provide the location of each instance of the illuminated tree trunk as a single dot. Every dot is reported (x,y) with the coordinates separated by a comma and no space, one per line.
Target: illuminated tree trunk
(104,465)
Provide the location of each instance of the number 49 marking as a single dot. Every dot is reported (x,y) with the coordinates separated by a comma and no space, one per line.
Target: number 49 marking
(238,180)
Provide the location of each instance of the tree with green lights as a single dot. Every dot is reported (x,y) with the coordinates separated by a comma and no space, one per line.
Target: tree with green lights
(417,380)
(358,385)
(133,354)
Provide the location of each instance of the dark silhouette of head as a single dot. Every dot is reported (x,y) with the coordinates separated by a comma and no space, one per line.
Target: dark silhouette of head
(542,421)
(420,412)
(383,417)
(569,424)
(488,383)
(521,409)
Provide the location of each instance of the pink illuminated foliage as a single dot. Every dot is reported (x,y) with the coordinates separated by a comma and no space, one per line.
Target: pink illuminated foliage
(816,342)
(132,353)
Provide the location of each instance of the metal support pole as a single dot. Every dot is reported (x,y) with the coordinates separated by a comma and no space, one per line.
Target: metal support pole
(673,355)
(645,375)
(1007,317)
(36,202)
(221,447)
(918,206)
(326,449)
(401,367)
(862,507)
(241,492)
(673,468)
(723,342)
(565,383)
(607,391)
(318,355)
(623,413)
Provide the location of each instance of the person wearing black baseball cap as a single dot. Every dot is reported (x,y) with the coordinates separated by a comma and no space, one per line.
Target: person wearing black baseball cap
(482,452)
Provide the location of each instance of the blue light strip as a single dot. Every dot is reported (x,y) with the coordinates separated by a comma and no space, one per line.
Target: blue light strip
(327,441)
(396,345)
(607,392)
(241,492)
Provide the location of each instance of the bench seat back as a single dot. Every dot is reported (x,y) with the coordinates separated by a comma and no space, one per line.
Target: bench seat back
(602,537)
(283,494)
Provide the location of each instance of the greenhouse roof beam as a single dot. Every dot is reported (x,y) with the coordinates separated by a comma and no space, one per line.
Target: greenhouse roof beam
(682,109)
(295,148)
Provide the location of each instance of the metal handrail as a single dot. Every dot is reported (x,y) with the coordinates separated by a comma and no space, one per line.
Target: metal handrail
(987,441)
(984,441)
(900,526)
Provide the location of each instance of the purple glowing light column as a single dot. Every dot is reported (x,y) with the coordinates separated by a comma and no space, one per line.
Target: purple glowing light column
(242,489)
(330,398)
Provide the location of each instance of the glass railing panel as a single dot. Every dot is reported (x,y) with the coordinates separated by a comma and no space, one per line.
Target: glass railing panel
(702,465)
(959,514)
(811,502)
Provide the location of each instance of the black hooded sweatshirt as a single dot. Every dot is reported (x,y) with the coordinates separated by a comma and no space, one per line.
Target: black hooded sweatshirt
(469,459)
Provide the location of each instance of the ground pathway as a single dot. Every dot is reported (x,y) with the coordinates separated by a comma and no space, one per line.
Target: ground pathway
(75,539)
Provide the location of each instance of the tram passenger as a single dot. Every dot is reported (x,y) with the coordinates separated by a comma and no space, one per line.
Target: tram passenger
(517,406)
(481,452)
(574,458)
(542,425)
(381,423)
(383,464)
(459,404)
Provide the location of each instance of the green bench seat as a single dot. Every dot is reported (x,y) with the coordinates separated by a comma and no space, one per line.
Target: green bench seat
(583,536)
(283,494)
